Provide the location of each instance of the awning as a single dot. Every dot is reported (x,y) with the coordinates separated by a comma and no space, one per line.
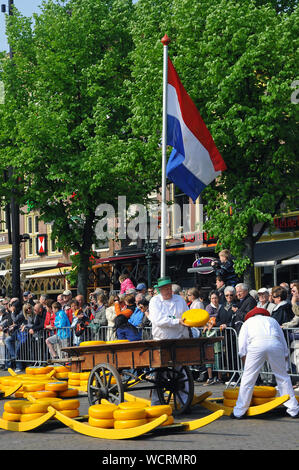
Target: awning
(288,262)
(54,263)
(115,259)
(56,272)
(269,253)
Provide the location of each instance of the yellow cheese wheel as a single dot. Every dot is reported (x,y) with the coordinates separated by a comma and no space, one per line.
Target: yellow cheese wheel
(74,375)
(91,343)
(60,369)
(129,414)
(168,422)
(196,317)
(231,393)
(44,394)
(129,405)
(37,370)
(69,393)
(15,406)
(70,413)
(229,402)
(30,370)
(56,386)
(102,411)
(158,410)
(264,392)
(30,416)
(129,423)
(117,341)
(11,416)
(84,375)
(74,382)
(101,423)
(19,394)
(33,387)
(48,401)
(66,404)
(61,375)
(35,408)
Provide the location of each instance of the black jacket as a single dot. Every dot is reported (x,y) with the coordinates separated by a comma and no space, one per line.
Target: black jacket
(227,272)
(284,313)
(247,304)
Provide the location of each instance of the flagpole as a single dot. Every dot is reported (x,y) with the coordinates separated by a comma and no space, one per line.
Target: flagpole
(165,41)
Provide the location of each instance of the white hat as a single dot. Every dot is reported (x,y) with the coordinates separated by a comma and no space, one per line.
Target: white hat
(67,292)
(263,290)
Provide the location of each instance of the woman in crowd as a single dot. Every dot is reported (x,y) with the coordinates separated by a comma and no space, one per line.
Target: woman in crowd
(110,316)
(194,296)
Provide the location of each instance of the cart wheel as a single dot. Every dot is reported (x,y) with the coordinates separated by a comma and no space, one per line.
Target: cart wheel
(175,386)
(105,382)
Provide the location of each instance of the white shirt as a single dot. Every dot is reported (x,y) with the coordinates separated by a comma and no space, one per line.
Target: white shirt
(197,304)
(164,316)
(259,329)
(267,305)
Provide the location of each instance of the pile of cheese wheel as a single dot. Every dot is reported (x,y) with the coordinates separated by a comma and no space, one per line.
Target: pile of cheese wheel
(78,379)
(37,382)
(260,395)
(126,415)
(23,410)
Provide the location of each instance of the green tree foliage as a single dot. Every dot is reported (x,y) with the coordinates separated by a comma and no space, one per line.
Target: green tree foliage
(237,60)
(64,124)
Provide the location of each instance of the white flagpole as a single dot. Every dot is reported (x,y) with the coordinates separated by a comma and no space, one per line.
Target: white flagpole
(165,41)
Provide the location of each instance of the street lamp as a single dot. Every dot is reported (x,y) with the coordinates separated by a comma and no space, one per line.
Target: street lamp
(14,209)
(149,249)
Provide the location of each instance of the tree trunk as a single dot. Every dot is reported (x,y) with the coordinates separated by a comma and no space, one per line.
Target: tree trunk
(249,244)
(85,253)
(83,272)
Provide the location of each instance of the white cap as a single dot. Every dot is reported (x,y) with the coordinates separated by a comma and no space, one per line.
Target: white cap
(67,292)
(263,290)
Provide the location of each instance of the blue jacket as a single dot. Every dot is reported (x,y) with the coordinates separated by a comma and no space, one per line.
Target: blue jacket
(136,317)
(62,324)
(128,333)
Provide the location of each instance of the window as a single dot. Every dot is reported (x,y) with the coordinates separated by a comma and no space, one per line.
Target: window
(31,227)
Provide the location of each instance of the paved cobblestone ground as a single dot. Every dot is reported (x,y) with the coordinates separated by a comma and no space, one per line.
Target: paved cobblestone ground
(271,431)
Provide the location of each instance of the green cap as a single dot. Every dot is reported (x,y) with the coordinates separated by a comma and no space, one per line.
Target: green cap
(163,281)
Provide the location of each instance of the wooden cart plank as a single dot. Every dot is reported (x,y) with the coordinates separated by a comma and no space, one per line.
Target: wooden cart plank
(148,353)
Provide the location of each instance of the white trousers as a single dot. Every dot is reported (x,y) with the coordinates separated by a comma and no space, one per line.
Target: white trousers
(258,352)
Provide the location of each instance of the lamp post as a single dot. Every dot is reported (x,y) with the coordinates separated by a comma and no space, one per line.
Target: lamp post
(149,249)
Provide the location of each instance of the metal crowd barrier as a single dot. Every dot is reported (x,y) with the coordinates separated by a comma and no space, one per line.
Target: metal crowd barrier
(32,349)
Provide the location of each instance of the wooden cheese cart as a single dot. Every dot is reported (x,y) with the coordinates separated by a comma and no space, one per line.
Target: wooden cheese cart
(162,365)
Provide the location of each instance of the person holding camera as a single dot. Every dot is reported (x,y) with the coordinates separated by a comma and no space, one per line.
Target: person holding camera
(224,267)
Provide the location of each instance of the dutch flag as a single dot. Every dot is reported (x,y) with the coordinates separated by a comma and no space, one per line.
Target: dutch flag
(195,160)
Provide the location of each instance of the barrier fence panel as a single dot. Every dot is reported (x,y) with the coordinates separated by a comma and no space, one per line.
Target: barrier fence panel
(27,348)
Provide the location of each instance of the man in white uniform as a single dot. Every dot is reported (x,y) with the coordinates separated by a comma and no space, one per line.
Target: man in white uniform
(261,339)
(165,314)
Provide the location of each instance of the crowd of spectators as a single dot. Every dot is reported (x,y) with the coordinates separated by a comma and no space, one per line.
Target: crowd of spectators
(49,325)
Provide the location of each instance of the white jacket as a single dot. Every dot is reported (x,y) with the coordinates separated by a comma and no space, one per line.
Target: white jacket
(258,330)
(164,316)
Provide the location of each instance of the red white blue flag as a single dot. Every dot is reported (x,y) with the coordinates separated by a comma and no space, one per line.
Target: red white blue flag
(195,160)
